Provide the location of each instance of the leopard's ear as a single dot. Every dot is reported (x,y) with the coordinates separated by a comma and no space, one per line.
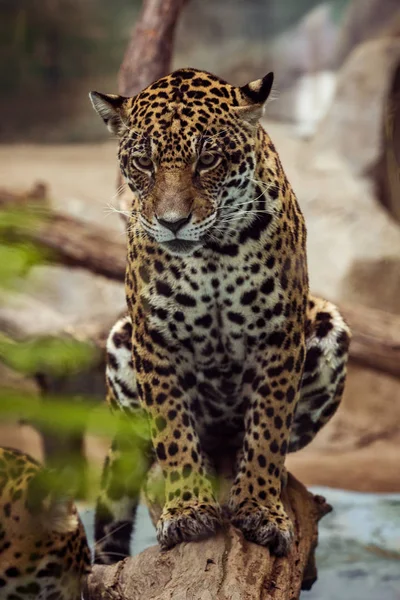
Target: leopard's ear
(111,108)
(253,98)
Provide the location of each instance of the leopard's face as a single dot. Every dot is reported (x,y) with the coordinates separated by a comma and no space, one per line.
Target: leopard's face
(179,191)
(188,152)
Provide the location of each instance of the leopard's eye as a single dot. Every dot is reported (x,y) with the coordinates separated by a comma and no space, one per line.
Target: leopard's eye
(208,160)
(143,162)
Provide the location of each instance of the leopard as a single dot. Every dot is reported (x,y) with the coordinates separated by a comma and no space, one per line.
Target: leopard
(224,349)
(44,553)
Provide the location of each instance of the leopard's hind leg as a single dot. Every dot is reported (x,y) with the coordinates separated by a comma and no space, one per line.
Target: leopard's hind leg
(129,457)
(327,344)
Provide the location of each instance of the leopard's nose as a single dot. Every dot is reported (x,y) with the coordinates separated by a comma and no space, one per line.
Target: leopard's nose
(174,225)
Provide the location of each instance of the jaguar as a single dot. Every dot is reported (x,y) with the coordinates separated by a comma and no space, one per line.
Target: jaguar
(223,349)
(44,554)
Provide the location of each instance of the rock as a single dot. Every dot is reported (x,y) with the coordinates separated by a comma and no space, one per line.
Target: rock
(363,20)
(353,244)
(351,149)
(302,61)
(353,127)
(55,298)
(313,97)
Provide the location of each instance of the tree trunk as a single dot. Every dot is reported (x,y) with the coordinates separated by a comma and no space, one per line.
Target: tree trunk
(148,56)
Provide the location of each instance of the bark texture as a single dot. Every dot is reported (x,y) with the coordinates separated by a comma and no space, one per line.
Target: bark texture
(224,567)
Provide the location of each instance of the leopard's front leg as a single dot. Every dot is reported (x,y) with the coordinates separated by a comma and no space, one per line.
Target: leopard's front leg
(190,511)
(255,503)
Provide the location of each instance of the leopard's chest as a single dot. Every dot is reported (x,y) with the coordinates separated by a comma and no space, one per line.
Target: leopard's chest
(214,316)
(215,323)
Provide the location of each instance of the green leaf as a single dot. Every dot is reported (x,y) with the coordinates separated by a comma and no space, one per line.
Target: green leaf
(59,356)
(69,416)
(21,219)
(16,260)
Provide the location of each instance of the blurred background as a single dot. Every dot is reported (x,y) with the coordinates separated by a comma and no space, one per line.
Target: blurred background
(335,119)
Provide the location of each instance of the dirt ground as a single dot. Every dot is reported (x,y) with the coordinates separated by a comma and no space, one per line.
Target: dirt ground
(360,448)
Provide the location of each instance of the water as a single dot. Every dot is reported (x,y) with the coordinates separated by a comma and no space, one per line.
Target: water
(358,555)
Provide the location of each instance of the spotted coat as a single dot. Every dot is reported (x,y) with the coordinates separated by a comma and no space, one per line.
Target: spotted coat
(224,348)
(44,554)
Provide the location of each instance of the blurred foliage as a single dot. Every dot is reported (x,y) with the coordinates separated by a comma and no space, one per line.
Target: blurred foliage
(18,257)
(16,261)
(48,42)
(58,357)
(18,219)
(59,415)
(44,42)
(46,354)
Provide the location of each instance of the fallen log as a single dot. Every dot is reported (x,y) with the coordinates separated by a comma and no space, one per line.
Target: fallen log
(71,241)
(224,567)
(375,339)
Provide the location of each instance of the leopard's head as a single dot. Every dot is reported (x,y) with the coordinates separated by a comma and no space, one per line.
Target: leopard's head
(187,149)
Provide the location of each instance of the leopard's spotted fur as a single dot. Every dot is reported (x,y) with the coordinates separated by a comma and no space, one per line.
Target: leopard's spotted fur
(44,554)
(223,348)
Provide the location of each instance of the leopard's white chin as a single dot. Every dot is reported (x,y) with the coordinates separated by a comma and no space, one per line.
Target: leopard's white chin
(179,247)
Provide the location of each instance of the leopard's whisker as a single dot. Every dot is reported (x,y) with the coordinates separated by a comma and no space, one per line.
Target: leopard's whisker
(97,542)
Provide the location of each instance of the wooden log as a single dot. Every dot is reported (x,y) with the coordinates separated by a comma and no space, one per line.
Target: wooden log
(224,567)
(375,339)
(70,241)
(148,55)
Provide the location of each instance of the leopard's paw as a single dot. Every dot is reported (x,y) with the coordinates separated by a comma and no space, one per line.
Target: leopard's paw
(266,526)
(187,523)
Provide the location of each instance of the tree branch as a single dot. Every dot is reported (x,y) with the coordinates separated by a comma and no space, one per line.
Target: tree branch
(223,567)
